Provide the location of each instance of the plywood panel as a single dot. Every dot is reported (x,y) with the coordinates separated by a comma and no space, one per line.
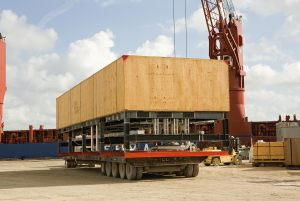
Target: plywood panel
(75,105)
(292,152)
(149,84)
(165,84)
(87,99)
(268,151)
(120,85)
(63,110)
(106,81)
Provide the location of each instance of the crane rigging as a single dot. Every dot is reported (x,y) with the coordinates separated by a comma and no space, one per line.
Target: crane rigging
(226,43)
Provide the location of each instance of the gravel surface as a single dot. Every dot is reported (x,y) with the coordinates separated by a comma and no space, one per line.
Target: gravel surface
(50,180)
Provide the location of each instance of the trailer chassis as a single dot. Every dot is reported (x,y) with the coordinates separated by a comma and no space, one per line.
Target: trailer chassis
(121,131)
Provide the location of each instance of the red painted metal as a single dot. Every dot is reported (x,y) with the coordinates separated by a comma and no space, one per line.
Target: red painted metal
(2,80)
(148,154)
(226,43)
(158,154)
(30,136)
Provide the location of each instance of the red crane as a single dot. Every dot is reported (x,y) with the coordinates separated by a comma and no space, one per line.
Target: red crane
(2,79)
(226,43)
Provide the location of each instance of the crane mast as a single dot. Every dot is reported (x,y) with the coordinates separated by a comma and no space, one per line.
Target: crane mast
(226,43)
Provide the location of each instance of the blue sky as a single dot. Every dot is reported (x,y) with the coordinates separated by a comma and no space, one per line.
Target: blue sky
(53,44)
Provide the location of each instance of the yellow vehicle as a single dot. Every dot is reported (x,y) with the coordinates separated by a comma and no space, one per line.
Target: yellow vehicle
(232,158)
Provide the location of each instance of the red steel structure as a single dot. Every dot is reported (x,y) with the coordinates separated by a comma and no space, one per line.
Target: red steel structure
(226,43)
(2,79)
(31,135)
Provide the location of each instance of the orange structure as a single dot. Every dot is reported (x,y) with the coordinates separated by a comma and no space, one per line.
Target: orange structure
(226,43)
(2,79)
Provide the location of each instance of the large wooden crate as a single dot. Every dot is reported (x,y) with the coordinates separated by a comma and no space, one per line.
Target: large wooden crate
(135,83)
(292,152)
(268,151)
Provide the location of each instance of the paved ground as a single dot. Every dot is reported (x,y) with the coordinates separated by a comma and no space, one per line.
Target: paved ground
(49,180)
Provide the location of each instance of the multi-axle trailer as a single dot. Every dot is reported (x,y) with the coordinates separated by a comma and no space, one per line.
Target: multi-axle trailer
(144,115)
(124,144)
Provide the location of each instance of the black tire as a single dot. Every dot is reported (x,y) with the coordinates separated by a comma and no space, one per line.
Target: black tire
(180,174)
(103,168)
(115,170)
(237,160)
(122,170)
(108,169)
(195,170)
(188,171)
(226,163)
(207,164)
(68,164)
(216,161)
(139,173)
(130,172)
(74,164)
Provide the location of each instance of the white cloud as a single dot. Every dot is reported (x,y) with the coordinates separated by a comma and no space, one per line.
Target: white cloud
(88,55)
(105,3)
(271,92)
(269,7)
(21,36)
(161,46)
(264,50)
(195,21)
(36,76)
(288,9)
(108,3)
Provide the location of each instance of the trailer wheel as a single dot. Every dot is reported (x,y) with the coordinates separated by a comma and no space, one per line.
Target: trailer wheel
(74,164)
(103,168)
(207,164)
(237,160)
(115,170)
(122,170)
(130,172)
(180,173)
(188,171)
(195,170)
(139,173)
(68,163)
(108,169)
(216,161)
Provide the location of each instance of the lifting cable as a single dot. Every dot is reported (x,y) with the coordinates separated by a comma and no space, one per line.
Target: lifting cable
(186,28)
(174,26)
(186,31)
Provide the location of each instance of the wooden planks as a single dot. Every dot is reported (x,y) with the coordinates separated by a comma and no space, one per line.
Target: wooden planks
(63,110)
(292,151)
(87,99)
(147,84)
(160,84)
(268,151)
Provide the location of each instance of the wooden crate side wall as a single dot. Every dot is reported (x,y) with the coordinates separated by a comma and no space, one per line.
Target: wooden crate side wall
(120,85)
(87,99)
(296,151)
(109,85)
(162,84)
(268,151)
(75,105)
(63,110)
(292,152)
